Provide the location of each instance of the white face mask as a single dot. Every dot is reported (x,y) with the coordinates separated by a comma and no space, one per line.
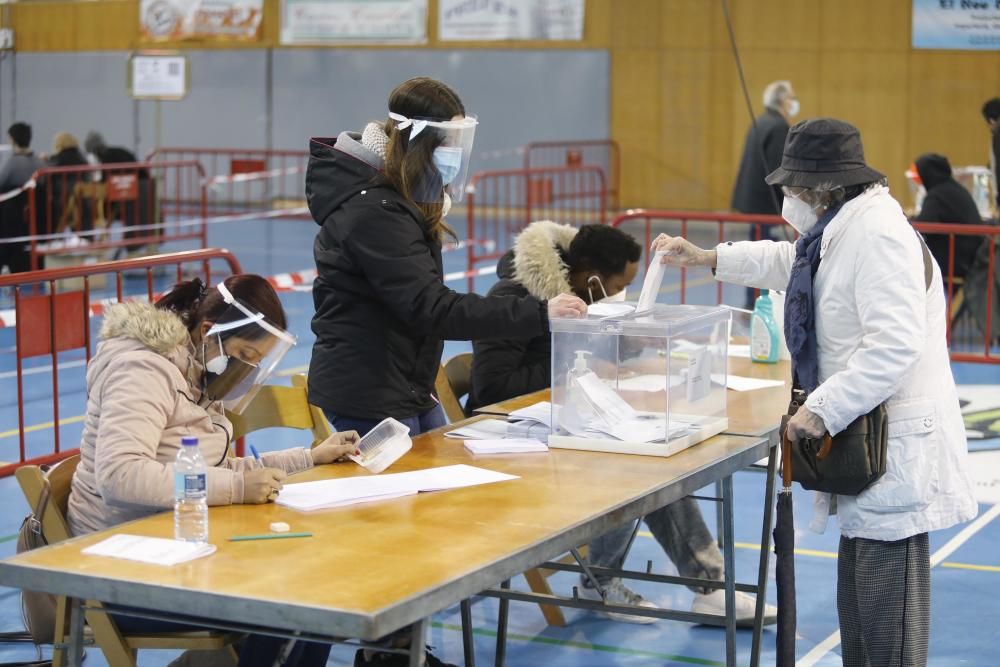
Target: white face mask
(614,298)
(793,108)
(798,214)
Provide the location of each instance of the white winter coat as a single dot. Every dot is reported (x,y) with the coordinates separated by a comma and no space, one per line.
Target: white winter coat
(881,337)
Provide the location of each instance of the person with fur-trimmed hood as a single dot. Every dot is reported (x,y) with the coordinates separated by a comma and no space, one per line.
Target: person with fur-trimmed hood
(597,263)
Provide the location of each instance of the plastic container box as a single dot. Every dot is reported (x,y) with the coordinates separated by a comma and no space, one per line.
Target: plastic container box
(652,384)
(383,445)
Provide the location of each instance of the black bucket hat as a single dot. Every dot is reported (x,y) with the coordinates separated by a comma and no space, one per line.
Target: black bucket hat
(823,150)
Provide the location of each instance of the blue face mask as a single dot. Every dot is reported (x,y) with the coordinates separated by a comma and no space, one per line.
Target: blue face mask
(448,160)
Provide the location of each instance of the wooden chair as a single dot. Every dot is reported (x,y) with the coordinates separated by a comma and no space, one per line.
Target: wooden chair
(120,650)
(285,407)
(83,194)
(454,380)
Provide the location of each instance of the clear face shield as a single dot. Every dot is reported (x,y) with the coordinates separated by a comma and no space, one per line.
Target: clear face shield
(240,353)
(450,143)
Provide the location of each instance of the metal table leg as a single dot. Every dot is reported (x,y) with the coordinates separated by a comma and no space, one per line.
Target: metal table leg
(729,557)
(75,657)
(719,521)
(765,555)
(468,641)
(502,627)
(418,640)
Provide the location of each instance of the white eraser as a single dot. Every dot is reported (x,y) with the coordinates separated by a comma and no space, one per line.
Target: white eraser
(280,527)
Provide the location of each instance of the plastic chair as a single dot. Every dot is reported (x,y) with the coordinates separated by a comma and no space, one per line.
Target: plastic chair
(120,650)
(286,407)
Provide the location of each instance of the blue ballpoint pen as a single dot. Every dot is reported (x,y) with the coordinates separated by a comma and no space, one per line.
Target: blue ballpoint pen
(256,455)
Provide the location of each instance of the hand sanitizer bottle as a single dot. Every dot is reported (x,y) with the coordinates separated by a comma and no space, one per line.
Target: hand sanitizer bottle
(763,332)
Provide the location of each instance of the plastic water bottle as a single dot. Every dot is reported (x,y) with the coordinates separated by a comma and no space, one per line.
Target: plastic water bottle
(190,493)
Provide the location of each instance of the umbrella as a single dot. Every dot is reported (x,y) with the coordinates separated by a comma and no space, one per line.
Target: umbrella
(784,549)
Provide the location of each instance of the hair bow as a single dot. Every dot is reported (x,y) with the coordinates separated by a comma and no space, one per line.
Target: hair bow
(416,126)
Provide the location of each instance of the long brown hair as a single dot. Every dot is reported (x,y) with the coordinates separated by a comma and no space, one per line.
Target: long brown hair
(410,168)
(194,303)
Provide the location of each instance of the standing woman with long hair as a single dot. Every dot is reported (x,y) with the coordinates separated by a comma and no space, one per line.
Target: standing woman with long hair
(382,308)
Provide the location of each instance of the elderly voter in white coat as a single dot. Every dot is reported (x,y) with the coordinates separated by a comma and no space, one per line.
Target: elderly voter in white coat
(863,329)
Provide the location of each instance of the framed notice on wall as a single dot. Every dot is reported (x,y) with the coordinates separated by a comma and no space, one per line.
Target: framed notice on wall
(353,21)
(971,25)
(158,76)
(492,20)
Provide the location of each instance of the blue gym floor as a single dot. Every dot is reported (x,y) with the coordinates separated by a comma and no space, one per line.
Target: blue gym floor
(966,586)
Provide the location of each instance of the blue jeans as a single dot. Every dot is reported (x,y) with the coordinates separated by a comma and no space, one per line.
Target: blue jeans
(430,420)
(255,650)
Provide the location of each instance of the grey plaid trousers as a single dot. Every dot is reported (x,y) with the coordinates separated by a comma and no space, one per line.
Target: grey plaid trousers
(884,600)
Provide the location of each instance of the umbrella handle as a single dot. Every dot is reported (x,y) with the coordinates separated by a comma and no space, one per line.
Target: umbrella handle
(825,448)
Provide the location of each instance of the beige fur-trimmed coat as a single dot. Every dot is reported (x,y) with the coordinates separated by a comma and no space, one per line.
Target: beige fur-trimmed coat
(143,393)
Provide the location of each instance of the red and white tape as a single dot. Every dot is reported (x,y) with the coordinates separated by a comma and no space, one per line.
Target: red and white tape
(298,281)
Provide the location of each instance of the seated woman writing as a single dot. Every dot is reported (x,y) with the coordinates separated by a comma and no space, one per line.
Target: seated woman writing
(597,263)
(162,372)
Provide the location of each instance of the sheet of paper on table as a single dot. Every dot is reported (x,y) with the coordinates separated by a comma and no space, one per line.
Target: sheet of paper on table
(610,309)
(480,430)
(506,446)
(540,412)
(740,383)
(152,550)
(329,493)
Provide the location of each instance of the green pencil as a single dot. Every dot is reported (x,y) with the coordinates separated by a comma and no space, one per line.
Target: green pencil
(267,536)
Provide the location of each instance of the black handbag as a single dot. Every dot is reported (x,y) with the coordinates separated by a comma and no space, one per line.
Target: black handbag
(854,459)
(846,464)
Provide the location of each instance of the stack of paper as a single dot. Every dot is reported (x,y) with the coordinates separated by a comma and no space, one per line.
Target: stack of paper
(152,550)
(506,446)
(480,430)
(540,412)
(329,493)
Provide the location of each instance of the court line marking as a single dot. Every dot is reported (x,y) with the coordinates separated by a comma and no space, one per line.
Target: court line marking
(824,647)
(41,427)
(568,643)
(833,556)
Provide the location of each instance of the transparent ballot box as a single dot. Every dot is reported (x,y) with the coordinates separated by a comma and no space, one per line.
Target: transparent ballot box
(650,383)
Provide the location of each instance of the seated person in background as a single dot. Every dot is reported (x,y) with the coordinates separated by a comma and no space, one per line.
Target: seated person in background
(66,151)
(161,372)
(95,145)
(130,213)
(14,173)
(50,206)
(947,201)
(595,263)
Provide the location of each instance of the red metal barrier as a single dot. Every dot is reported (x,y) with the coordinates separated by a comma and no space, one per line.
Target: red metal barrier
(965,326)
(720,227)
(53,313)
(967,321)
(603,153)
(242,180)
(499,204)
(87,201)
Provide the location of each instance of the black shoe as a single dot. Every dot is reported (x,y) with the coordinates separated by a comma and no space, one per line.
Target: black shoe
(396,660)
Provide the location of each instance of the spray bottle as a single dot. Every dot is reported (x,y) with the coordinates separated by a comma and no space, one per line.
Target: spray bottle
(763,331)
